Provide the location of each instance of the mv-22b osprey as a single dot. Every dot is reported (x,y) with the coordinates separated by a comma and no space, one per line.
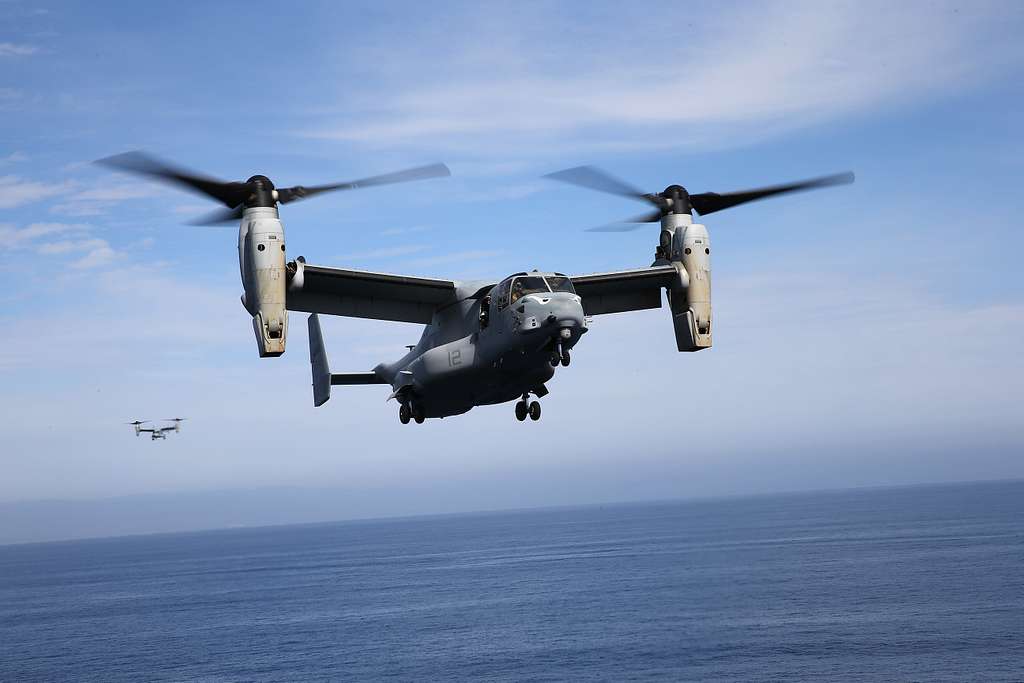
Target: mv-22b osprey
(157,433)
(484,342)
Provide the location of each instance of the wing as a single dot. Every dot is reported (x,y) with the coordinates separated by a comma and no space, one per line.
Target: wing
(624,290)
(166,429)
(148,431)
(362,294)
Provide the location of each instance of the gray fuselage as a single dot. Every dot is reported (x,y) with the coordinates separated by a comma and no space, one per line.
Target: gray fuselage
(465,359)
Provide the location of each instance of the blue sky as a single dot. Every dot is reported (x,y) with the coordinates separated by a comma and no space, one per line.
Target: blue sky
(864,335)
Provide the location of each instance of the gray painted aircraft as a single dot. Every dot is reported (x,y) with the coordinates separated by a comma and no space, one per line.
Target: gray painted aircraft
(484,342)
(156,433)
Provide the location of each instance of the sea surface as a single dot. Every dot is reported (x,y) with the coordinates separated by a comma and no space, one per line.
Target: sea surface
(903,584)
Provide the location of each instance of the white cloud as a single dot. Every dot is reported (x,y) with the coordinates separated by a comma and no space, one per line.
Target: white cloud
(20,237)
(16,192)
(99,200)
(128,314)
(545,78)
(78,210)
(114,193)
(16,50)
(92,252)
(100,254)
(67,246)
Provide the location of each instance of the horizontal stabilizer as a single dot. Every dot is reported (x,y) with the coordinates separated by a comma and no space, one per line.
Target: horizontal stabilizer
(322,377)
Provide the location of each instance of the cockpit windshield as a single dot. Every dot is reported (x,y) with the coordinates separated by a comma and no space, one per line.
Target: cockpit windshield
(528,284)
(560,283)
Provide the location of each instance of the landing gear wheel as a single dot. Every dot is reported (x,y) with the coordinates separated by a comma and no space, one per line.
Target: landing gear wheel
(534,411)
(565,358)
(417,414)
(404,414)
(555,359)
(521,410)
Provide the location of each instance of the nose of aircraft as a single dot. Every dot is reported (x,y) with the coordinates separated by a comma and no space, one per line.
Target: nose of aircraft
(558,313)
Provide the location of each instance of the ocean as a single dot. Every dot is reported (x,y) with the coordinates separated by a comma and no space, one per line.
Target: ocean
(902,584)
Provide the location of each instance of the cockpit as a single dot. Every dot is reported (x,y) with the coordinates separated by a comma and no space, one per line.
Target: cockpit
(513,288)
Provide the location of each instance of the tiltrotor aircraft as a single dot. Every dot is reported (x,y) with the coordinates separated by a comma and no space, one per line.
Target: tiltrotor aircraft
(484,342)
(156,433)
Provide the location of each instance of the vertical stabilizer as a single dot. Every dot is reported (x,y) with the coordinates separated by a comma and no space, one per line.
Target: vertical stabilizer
(318,360)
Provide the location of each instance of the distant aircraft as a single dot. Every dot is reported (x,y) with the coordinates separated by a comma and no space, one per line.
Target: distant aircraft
(157,432)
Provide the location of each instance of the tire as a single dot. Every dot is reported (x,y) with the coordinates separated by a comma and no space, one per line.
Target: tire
(534,411)
(554,360)
(521,410)
(404,414)
(417,414)
(565,358)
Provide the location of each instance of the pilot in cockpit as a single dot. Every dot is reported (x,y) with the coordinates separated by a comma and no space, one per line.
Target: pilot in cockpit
(517,290)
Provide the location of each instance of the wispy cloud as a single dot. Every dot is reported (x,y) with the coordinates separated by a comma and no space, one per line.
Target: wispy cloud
(67,246)
(74,240)
(99,254)
(17,50)
(30,234)
(16,192)
(112,332)
(99,200)
(115,193)
(759,69)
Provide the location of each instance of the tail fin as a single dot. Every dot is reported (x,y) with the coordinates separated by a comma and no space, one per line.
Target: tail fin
(322,377)
(318,361)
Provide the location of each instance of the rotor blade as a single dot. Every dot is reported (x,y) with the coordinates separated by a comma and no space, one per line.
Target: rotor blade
(220,217)
(291,194)
(230,194)
(709,202)
(594,178)
(634,223)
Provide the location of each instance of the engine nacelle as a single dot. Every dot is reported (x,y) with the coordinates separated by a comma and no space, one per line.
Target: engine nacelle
(261,260)
(690,299)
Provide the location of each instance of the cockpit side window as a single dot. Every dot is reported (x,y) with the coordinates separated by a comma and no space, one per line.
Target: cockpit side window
(528,284)
(560,283)
(500,294)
